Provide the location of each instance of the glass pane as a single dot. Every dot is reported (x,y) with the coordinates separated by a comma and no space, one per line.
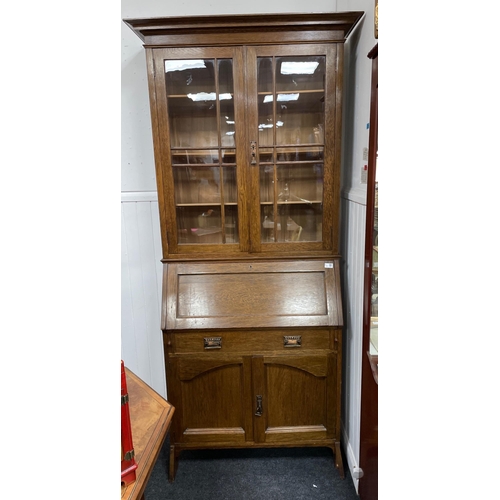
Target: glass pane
(266,132)
(228,156)
(196,185)
(300,99)
(189,76)
(300,119)
(300,198)
(300,73)
(267,184)
(202,124)
(226,76)
(198,224)
(191,92)
(265,74)
(192,123)
(303,222)
(265,155)
(229,184)
(227,123)
(296,203)
(300,183)
(299,153)
(231,224)
(194,156)
(268,231)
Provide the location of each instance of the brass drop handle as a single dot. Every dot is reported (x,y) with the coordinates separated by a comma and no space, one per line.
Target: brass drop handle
(212,342)
(253,152)
(258,412)
(292,341)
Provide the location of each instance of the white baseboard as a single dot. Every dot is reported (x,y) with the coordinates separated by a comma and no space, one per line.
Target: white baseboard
(351,459)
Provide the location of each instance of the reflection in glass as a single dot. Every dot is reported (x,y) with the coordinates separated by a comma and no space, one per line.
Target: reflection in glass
(374,285)
(190,87)
(266,155)
(196,184)
(291,223)
(265,125)
(228,156)
(300,73)
(227,123)
(199,225)
(229,185)
(299,118)
(193,124)
(225,76)
(265,74)
(231,224)
(300,153)
(266,184)
(194,156)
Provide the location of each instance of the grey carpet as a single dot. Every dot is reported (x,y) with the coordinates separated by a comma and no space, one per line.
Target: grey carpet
(251,474)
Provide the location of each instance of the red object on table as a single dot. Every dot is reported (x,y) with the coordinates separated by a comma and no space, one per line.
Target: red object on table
(129,464)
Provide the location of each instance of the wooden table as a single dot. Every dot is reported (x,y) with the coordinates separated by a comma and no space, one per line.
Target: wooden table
(150,417)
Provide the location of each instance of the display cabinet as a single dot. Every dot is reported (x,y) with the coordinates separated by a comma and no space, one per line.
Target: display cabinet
(247,129)
(246,114)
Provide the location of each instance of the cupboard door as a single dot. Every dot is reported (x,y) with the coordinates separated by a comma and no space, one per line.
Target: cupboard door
(294,398)
(200,165)
(211,395)
(292,93)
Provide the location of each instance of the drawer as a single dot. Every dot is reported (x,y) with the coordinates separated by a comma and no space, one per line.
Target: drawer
(251,341)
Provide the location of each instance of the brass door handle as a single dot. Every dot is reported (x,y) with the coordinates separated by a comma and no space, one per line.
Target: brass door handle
(258,412)
(253,152)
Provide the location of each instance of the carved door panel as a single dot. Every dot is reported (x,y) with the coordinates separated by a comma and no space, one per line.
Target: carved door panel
(293,400)
(211,395)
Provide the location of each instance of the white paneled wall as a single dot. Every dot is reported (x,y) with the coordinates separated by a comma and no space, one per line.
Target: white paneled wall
(142,344)
(353,246)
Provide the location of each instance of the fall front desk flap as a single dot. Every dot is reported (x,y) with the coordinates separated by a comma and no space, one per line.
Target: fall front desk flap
(251,294)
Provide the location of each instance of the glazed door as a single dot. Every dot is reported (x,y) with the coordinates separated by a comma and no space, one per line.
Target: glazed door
(201,163)
(293,147)
(291,397)
(248,130)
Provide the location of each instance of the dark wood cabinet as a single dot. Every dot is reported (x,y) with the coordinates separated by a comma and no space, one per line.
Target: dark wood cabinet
(368,455)
(247,121)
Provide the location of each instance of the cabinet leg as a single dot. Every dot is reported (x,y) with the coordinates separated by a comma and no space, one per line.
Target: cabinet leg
(174,454)
(339,463)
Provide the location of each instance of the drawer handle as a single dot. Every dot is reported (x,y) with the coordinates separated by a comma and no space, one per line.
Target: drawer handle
(292,341)
(212,342)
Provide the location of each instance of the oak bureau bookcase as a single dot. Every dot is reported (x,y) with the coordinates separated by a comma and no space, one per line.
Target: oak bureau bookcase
(247,119)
